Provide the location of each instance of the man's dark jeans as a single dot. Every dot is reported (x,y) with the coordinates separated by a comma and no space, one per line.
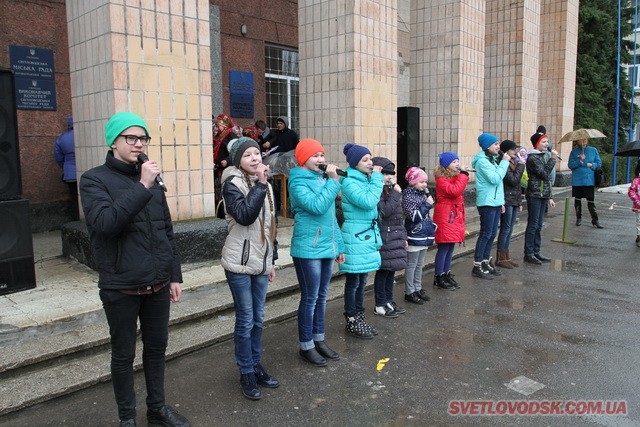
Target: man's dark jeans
(123,312)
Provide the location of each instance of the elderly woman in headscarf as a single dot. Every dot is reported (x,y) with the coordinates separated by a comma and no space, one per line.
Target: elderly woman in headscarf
(223,132)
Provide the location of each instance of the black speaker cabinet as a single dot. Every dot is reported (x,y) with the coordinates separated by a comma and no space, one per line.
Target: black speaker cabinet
(10,184)
(17,270)
(408,141)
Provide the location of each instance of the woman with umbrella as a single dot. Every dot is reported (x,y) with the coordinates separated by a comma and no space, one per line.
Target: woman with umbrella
(583,161)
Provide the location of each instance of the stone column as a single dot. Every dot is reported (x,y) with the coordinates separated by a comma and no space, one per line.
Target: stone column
(447,76)
(511,73)
(558,59)
(348,74)
(150,57)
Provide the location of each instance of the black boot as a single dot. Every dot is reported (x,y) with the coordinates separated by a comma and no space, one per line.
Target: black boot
(313,356)
(440,281)
(594,215)
(578,205)
(166,416)
(325,351)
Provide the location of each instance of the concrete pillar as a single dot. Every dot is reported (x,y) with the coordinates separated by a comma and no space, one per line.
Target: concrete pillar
(150,57)
(558,60)
(511,72)
(348,74)
(447,75)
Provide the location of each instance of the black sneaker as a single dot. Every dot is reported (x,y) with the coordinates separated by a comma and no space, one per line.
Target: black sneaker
(481,273)
(385,311)
(413,298)
(440,281)
(542,258)
(449,277)
(166,416)
(423,295)
(397,308)
(530,259)
(264,379)
(488,266)
(249,385)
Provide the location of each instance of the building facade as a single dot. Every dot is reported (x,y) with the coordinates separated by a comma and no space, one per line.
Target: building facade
(339,69)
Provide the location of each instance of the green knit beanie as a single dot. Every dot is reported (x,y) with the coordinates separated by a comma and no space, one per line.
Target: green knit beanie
(119,122)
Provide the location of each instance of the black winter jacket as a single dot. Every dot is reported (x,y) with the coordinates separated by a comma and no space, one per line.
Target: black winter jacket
(129,227)
(539,171)
(512,187)
(394,235)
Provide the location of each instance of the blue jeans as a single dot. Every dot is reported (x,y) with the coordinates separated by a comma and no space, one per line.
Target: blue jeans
(249,294)
(444,255)
(354,293)
(507,222)
(383,287)
(123,311)
(314,276)
(489,220)
(535,219)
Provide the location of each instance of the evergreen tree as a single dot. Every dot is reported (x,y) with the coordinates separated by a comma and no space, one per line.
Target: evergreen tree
(596,71)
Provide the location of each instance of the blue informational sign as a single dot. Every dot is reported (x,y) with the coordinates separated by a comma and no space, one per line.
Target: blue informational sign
(241,92)
(34,76)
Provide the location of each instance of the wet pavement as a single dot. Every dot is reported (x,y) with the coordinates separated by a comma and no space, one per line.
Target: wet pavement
(571,326)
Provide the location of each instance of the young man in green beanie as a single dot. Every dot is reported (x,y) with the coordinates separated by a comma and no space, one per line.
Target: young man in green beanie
(125,209)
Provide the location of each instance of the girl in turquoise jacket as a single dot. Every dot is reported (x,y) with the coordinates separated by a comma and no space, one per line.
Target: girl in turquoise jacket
(361,190)
(316,242)
(490,172)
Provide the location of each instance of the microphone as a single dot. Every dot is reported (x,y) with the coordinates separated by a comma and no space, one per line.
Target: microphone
(557,155)
(340,172)
(143,158)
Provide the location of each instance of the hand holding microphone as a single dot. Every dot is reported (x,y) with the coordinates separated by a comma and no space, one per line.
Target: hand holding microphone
(262,171)
(324,168)
(555,153)
(150,172)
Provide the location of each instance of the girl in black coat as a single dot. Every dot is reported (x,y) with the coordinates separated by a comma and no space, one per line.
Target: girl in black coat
(394,241)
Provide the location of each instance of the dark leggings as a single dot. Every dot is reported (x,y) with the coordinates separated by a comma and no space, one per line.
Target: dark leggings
(444,255)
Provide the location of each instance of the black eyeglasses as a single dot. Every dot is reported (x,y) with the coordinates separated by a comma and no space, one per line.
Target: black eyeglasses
(133,139)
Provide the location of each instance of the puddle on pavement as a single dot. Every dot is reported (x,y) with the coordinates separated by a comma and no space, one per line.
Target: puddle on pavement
(568,338)
(515,303)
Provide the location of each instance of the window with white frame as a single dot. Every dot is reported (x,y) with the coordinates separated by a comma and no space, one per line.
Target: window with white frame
(634,78)
(282,85)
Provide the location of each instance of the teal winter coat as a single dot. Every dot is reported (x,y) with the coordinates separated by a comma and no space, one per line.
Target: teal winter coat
(582,175)
(489,176)
(360,231)
(316,234)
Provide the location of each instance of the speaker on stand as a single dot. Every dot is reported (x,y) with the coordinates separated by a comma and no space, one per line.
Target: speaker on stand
(408,141)
(17,270)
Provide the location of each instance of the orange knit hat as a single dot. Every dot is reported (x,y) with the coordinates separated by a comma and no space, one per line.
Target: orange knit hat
(307,148)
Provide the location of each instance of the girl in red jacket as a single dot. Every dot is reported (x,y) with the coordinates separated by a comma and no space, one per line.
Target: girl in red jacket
(451,180)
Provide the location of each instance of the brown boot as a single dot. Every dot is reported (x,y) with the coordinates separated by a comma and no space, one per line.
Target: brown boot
(502,260)
(509,260)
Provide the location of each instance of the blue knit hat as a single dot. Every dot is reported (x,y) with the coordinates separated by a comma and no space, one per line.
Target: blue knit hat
(121,121)
(446,158)
(486,140)
(355,153)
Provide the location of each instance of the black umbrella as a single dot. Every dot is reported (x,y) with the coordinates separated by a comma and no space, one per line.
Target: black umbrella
(631,149)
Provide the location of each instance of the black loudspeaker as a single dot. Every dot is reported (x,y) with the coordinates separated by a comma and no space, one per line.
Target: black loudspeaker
(17,270)
(10,184)
(408,141)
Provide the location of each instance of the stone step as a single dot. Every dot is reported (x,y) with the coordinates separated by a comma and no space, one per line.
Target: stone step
(55,364)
